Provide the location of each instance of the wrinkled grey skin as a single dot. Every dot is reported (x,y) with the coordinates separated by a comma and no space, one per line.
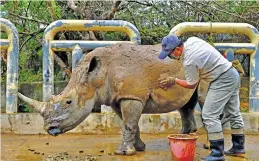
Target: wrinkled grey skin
(124,77)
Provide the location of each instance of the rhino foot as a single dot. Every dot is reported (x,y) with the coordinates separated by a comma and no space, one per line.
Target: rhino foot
(125,150)
(140,145)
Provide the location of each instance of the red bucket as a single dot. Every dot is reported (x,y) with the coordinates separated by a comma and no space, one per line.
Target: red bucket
(182,146)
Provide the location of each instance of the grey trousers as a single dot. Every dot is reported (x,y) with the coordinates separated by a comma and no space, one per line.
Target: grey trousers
(223,98)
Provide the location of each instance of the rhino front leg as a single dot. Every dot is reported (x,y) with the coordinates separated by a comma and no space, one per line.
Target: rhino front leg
(139,144)
(131,111)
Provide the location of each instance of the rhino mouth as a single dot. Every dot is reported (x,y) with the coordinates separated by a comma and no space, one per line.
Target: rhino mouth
(54,131)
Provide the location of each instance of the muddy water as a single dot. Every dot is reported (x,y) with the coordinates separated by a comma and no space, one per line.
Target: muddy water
(39,147)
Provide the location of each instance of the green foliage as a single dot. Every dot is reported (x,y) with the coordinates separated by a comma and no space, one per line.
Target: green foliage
(3,36)
(26,75)
(57,9)
(2,79)
(24,108)
(58,76)
(148,20)
(115,36)
(153,19)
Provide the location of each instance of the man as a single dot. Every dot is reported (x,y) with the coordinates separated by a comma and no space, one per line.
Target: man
(202,61)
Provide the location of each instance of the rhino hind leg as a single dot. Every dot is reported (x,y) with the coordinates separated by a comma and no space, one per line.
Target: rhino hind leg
(187,115)
(130,111)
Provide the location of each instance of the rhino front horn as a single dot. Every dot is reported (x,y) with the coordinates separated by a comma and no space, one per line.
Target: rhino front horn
(38,106)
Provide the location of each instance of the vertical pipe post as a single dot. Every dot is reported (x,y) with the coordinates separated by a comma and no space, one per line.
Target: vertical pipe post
(77,54)
(12,65)
(48,71)
(254,76)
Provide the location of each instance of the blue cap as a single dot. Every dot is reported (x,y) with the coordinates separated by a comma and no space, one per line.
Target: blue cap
(169,43)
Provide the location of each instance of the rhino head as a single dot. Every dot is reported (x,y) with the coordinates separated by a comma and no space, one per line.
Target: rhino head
(68,109)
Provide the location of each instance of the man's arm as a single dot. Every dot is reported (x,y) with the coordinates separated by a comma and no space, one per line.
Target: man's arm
(183,83)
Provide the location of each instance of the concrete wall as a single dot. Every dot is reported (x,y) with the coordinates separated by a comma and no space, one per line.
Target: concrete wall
(110,123)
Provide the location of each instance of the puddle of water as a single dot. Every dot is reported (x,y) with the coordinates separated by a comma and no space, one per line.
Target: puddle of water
(29,157)
(26,155)
(106,148)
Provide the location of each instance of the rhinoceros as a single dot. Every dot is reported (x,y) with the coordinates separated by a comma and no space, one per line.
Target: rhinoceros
(125,77)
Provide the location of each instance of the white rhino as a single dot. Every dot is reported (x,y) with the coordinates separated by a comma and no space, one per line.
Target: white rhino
(125,77)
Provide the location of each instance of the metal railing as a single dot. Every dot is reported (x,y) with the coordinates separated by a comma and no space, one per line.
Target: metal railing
(77,47)
(240,48)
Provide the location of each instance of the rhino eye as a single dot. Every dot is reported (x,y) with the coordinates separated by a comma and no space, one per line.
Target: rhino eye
(69,102)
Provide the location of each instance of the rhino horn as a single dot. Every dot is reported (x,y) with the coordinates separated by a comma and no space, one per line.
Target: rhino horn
(38,106)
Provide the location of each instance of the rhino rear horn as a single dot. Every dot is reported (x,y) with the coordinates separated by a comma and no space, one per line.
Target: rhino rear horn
(38,106)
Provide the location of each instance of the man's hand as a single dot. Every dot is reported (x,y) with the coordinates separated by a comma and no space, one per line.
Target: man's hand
(167,82)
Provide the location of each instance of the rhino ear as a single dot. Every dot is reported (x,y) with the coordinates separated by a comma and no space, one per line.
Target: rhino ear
(95,64)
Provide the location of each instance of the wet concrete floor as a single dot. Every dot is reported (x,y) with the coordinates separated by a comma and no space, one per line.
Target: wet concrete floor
(38,147)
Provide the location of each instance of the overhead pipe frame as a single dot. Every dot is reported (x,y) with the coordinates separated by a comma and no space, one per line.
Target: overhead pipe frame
(12,46)
(50,45)
(240,48)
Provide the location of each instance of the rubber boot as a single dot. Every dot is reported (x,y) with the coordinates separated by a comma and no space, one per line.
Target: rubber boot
(217,151)
(238,148)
